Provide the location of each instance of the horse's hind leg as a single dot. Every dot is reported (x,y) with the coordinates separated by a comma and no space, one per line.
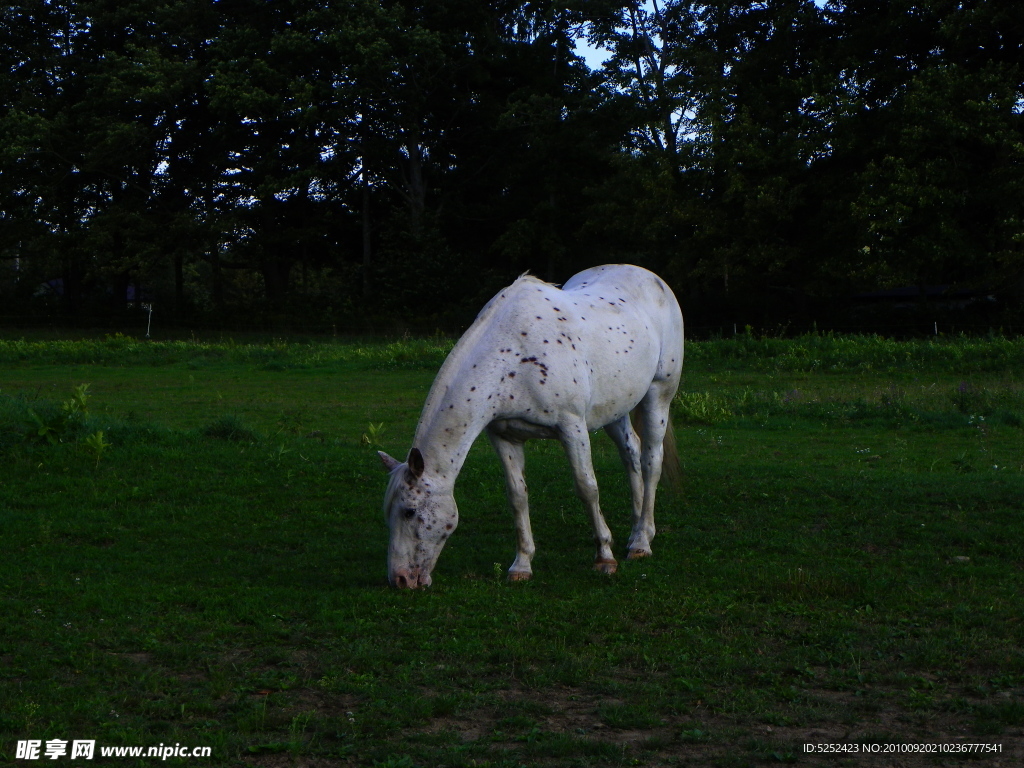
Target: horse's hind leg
(654,415)
(513,461)
(576,441)
(625,438)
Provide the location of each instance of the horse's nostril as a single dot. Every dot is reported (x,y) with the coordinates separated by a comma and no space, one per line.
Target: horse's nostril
(408,579)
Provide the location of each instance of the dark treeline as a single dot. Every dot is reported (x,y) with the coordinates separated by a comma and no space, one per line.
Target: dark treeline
(345,162)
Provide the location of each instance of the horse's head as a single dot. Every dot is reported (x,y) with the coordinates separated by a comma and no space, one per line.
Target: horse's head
(421,519)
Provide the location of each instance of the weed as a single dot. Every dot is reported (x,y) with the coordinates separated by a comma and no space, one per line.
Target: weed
(374,435)
(278,455)
(96,446)
(297,732)
(59,425)
(701,408)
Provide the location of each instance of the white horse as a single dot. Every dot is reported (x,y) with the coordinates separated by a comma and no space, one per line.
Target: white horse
(544,362)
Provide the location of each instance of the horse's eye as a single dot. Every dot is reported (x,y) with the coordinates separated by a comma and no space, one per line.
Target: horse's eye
(408,514)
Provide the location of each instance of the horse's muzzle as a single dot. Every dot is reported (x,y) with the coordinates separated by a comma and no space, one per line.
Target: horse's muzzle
(410,578)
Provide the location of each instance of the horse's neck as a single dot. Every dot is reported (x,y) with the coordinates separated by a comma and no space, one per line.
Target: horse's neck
(462,400)
(456,412)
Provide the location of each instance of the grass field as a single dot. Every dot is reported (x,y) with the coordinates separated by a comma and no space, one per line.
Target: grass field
(194,554)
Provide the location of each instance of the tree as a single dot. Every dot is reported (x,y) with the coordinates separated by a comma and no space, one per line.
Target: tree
(928,144)
(356,159)
(721,136)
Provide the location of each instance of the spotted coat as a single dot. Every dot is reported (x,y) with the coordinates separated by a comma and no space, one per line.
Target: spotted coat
(543,362)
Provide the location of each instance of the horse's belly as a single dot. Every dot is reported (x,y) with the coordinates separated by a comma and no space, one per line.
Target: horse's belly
(617,386)
(522,430)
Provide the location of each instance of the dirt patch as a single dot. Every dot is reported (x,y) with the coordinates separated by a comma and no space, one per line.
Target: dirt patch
(524,722)
(327,705)
(888,738)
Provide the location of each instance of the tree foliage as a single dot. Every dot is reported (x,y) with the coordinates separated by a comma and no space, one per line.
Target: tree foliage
(354,160)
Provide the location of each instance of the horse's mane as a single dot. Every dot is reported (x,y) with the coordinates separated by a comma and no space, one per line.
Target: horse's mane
(501,296)
(394,481)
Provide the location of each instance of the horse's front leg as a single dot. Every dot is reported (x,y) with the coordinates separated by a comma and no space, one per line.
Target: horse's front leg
(576,441)
(513,460)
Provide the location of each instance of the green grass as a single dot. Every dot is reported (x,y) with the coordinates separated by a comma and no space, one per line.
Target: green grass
(845,563)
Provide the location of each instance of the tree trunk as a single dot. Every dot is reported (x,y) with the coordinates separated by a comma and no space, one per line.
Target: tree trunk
(415,188)
(218,279)
(179,284)
(367,243)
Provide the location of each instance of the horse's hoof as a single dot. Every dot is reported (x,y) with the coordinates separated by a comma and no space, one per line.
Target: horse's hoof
(636,554)
(519,575)
(606,566)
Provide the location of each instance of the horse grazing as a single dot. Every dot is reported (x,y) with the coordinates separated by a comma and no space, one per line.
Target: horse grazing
(544,362)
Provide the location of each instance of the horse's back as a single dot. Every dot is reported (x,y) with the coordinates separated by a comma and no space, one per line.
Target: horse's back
(639,282)
(593,348)
(643,294)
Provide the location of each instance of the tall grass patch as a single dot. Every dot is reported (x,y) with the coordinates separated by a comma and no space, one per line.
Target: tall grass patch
(831,352)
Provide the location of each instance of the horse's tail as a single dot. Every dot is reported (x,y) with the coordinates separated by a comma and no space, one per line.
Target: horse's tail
(671,469)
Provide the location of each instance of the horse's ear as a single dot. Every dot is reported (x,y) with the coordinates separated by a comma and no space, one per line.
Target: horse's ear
(388,462)
(415,462)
